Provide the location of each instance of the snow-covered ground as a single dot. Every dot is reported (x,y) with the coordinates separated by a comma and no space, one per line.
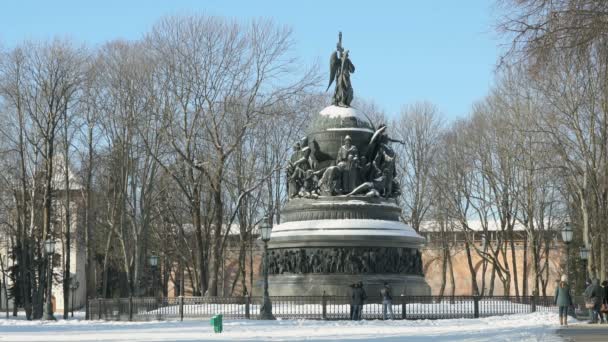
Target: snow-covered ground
(525,327)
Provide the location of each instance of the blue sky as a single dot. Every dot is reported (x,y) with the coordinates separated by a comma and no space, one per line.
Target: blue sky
(441,51)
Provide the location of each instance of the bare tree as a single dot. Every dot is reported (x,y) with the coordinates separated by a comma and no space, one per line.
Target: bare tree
(219,79)
(540,30)
(129,100)
(563,43)
(41,81)
(419,128)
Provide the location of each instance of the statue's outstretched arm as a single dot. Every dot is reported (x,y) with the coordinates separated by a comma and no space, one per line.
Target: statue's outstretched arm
(363,188)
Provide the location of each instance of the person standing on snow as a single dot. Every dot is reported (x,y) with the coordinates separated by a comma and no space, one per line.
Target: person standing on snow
(595,294)
(353,288)
(387,301)
(358,298)
(563,299)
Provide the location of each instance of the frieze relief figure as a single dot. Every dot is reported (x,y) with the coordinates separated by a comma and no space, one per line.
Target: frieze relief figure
(346,260)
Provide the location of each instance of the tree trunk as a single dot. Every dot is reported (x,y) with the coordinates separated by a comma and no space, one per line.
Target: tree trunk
(546,267)
(89,260)
(216,240)
(492,280)
(444,271)
(514,260)
(67,253)
(452,280)
(48,204)
(535,260)
(104,287)
(525,267)
(472,271)
(197,222)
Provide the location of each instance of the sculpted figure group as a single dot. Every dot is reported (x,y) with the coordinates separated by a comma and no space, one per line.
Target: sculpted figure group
(345,260)
(353,174)
(301,176)
(370,175)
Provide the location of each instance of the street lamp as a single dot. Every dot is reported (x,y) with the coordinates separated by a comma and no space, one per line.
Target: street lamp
(49,248)
(265,230)
(584,254)
(74,284)
(153,260)
(567,238)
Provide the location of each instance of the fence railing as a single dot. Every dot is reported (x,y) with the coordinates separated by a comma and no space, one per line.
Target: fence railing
(312,307)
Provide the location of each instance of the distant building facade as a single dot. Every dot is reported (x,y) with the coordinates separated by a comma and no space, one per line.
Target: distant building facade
(551,264)
(77,245)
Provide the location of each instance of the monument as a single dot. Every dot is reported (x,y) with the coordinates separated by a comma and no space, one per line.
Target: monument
(342,224)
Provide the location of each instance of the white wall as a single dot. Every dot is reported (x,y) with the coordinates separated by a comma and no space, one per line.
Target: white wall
(77,262)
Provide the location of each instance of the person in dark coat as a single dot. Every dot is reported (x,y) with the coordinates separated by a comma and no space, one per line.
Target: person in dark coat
(605,301)
(356,302)
(563,299)
(363,298)
(387,301)
(353,288)
(358,298)
(595,294)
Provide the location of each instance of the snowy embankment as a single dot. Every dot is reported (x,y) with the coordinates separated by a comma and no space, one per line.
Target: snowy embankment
(524,327)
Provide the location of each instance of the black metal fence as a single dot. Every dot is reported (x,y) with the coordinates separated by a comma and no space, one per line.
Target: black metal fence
(312,307)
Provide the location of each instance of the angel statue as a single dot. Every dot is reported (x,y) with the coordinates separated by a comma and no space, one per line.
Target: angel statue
(340,68)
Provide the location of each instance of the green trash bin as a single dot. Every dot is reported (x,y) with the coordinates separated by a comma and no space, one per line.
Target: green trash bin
(216,321)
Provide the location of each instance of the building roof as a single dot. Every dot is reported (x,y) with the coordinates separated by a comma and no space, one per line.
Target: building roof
(475,225)
(58,182)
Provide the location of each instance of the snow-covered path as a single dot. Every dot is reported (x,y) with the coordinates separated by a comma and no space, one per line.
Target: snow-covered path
(525,327)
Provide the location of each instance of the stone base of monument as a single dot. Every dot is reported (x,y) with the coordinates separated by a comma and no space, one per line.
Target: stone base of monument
(338,284)
(327,244)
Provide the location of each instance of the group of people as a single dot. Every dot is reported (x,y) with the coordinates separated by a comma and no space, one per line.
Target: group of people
(596,300)
(596,296)
(358,297)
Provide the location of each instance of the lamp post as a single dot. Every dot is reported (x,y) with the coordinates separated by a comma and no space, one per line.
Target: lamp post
(153,260)
(584,254)
(265,230)
(49,248)
(2,268)
(567,238)
(74,284)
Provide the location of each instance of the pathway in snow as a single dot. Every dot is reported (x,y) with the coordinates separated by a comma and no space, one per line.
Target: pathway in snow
(583,332)
(525,327)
